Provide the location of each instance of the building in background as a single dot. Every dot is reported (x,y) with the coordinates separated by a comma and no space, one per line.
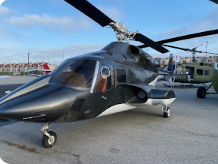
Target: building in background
(186,60)
(211,59)
(201,59)
(164,62)
(21,67)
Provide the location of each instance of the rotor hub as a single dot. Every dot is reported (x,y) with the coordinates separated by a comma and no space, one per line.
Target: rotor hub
(123,34)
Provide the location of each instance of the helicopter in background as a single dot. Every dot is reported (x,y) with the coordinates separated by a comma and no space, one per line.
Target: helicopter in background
(202,91)
(197,72)
(117,78)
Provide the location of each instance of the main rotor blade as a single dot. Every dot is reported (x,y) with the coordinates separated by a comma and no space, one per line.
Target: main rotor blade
(184,49)
(150,43)
(91,11)
(215,1)
(189,50)
(190,36)
(209,53)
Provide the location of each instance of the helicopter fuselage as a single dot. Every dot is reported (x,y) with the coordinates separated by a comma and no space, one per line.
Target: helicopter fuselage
(88,86)
(198,73)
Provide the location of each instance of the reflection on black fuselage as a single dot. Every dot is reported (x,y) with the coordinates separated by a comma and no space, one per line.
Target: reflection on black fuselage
(78,89)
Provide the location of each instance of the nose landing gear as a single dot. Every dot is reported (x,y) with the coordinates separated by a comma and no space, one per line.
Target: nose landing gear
(166,111)
(49,137)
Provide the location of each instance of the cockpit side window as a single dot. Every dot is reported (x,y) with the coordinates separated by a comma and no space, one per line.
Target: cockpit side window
(121,75)
(200,72)
(104,80)
(77,73)
(206,72)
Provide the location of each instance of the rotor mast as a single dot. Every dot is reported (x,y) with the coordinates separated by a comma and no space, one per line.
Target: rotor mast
(194,50)
(122,34)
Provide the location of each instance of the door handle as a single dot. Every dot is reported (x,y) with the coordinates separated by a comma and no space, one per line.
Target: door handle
(103,97)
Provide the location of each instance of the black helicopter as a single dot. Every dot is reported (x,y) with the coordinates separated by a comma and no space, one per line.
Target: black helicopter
(117,78)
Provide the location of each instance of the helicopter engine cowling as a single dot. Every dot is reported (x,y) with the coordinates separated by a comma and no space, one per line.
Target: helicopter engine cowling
(134,94)
(149,95)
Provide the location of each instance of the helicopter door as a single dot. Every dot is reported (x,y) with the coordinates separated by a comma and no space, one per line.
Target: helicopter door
(102,97)
(191,71)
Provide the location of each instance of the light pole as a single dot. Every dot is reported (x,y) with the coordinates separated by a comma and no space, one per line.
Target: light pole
(28,60)
(43,57)
(206,48)
(23,67)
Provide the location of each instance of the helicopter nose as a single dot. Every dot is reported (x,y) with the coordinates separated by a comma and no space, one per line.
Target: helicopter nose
(43,104)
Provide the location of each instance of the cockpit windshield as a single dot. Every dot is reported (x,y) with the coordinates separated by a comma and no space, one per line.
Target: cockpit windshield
(77,73)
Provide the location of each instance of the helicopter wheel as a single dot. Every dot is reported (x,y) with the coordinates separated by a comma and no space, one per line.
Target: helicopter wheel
(166,111)
(201,93)
(50,141)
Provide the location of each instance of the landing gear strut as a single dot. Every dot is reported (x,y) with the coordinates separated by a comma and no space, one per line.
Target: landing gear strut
(166,111)
(49,137)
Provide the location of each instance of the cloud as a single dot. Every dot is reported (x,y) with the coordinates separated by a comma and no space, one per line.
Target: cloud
(1,1)
(53,55)
(61,24)
(3,30)
(209,22)
(56,55)
(112,12)
(4,11)
(5,34)
(76,49)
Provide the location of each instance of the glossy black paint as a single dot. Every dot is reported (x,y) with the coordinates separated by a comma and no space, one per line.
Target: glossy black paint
(92,12)
(129,55)
(161,94)
(46,100)
(52,101)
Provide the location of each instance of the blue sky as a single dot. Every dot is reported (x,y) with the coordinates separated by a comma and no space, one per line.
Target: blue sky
(52,29)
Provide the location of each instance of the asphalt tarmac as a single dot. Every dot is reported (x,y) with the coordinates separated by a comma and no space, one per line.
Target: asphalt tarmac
(141,136)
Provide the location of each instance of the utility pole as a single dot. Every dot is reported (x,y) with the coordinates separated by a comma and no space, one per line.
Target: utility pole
(206,48)
(28,60)
(23,70)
